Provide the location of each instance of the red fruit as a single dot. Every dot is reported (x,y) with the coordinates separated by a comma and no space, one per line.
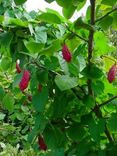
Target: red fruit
(18,69)
(112,73)
(41,143)
(66,53)
(25,80)
(39,87)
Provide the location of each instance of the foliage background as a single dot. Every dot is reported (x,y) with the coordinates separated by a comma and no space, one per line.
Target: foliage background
(76,110)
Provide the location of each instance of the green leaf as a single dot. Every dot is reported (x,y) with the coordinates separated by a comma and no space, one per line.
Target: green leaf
(74,68)
(1,19)
(64,3)
(65,82)
(108,2)
(98,87)
(106,22)
(112,122)
(5,41)
(15,22)
(8,102)
(114,15)
(49,1)
(40,99)
(2,116)
(95,129)
(19,2)
(69,11)
(50,18)
(56,152)
(51,63)
(89,101)
(42,76)
(54,47)
(41,34)
(81,4)
(80,24)
(2,92)
(101,43)
(76,132)
(40,123)
(92,72)
(17,79)
(6,63)
(33,47)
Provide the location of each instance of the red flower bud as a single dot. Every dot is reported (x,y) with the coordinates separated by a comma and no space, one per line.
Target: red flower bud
(39,87)
(112,73)
(18,69)
(66,53)
(41,143)
(25,80)
(30,97)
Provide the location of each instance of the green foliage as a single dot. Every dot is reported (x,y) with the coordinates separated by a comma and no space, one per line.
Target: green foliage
(71,105)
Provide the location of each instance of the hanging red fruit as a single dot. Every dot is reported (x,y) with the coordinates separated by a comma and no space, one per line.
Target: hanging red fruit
(25,80)
(18,69)
(112,73)
(41,143)
(66,53)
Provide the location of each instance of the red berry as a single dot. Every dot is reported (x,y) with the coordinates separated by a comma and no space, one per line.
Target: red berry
(18,69)
(41,143)
(25,80)
(112,73)
(66,53)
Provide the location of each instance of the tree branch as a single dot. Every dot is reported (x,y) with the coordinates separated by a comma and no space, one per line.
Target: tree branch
(108,13)
(108,101)
(80,37)
(96,109)
(90,42)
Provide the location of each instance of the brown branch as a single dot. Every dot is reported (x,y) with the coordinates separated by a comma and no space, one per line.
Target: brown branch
(108,13)
(90,42)
(96,109)
(108,101)
(98,113)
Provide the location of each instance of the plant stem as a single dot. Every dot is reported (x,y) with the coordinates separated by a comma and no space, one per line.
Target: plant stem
(98,113)
(108,101)
(80,37)
(108,13)
(109,58)
(90,43)
(96,109)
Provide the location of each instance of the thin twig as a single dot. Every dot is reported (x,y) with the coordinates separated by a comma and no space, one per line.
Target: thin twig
(80,37)
(108,13)
(108,101)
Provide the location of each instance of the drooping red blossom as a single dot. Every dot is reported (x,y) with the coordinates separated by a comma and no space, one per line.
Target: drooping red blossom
(41,143)
(66,53)
(112,73)
(18,69)
(25,80)
(40,87)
